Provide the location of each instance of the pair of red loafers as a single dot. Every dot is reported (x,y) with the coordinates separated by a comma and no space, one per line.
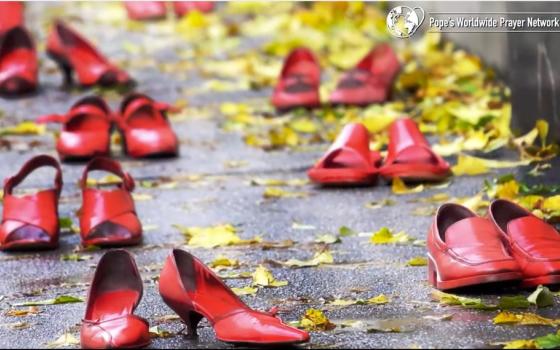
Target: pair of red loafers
(188,287)
(87,127)
(154,10)
(511,244)
(370,81)
(107,217)
(350,161)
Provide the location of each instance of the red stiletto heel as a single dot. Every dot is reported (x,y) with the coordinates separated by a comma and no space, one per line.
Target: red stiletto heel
(18,62)
(432,274)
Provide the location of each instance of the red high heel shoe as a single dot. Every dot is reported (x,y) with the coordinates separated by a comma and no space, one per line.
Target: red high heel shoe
(299,81)
(115,292)
(193,291)
(145,128)
(145,10)
(31,221)
(72,52)
(11,15)
(182,8)
(86,130)
(108,217)
(18,62)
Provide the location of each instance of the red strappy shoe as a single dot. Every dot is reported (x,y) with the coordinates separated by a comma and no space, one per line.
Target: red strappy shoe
(72,52)
(108,217)
(115,292)
(145,10)
(299,81)
(182,8)
(349,159)
(145,128)
(193,291)
(370,81)
(409,155)
(31,221)
(86,130)
(18,62)
(11,15)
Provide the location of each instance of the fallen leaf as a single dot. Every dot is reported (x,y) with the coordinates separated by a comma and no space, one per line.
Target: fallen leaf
(32,310)
(417,261)
(399,187)
(315,320)
(157,332)
(344,231)
(327,239)
(213,236)
(278,182)
(299,226)
(245,290)
(469,165)
(222,261)
(380,204)
(274,192)
(23,128)
(318,259)
(65,340)
(385,236)
(542,297)
(524,319)
(63,299)
(75,257)
(262,277)
(377,300)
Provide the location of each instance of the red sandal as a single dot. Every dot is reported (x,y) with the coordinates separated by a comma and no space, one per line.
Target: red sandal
(18,62)
(183,8)
(145,128)
(86,130)
(193,291)
(349,159)
(31,221)
(11,15)
(145,10)
(72,52)
(108,217)
(115,292)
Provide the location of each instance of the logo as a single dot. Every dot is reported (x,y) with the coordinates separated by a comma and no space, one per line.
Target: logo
(403,21)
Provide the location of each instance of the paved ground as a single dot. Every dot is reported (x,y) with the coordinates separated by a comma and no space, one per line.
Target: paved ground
(361,270)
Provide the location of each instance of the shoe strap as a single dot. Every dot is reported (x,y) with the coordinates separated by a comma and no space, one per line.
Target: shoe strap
(136,101)
(83,107)
(109,165)
(30,166)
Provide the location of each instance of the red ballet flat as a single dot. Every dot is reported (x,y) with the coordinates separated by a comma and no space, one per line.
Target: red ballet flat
(11,15)
(145,128)
(72,52)
(410,157)
(18,62)
(370,81)
(115,292)
(298,85)
(349,160)
(145,10)
(86,130)
(193,291)
(108,217)
(31,221)
(182,8)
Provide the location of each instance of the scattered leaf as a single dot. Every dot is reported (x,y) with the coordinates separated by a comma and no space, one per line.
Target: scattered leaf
(315,320)
(157,332)
(385,236)
(318,259)
(262,277)
(214,236)
(327,239)
(542,297)
(63,299)
(274,192)
(399,187)
(245,290)
(65,340)
(417,261)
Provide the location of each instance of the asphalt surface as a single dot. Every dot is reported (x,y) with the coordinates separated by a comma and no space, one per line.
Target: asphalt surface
(223,195)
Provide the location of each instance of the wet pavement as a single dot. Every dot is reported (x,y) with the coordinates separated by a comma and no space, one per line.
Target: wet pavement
(223,194)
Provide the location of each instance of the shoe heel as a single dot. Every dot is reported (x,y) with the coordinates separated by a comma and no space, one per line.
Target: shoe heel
(64,66)
(432,273)
(190,317)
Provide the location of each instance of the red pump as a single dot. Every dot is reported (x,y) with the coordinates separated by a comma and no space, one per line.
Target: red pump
(145,10)
(11,15)
(182,8)
(18,62)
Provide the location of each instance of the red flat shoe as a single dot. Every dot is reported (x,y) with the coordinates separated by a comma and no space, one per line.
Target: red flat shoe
(466,250)
(72,52)
(86,130)
(534,243)
(349,159)
(182,8)
(410,157)
(108,217)
(11,15)
(298,85)
(193,291)
(31,221)
(146,129)
(115,292)
(18,62)
(145,10)
(370,81)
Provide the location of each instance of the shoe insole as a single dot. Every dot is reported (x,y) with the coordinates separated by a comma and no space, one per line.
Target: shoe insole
(113,304)
(416,155)
(86,122)
(145,118)
(345,159)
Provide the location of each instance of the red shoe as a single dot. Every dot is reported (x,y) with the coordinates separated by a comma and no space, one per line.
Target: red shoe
(182,8)
(31,221)
(299,81)
(72,52)
(145,10)
(145,128)
(11,15)
(18,62)
(86,130)
(115,292)
(466,250)
(108,218)
(534,243)
(409,155)
(193,291)
(349,159)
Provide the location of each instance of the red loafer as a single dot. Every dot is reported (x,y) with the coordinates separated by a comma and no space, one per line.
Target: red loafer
(18,62)
(31,221)
(11,15)
(467,250)
(145,128)
(145,10)
(298,85)
(108,217)
(72,52)
(193,291)
(370,81)
(349,159)
(86,130)
(115,292)
(410,157)
(182,8)
(534,243)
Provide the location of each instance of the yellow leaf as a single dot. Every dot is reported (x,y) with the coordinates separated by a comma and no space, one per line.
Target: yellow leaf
(245,290)
(315,320)
(222,261)
(417,261)
(318,259)
(32,310)
(520,344)
(273,192)
(65,340)
(262,277)
(524,319)
(399,187)
(278,182)
(551,203)
(304,125)
(213,236)
(24,128)
(507,190)
(157,332)
(469,165)
(385,236)
(378,300)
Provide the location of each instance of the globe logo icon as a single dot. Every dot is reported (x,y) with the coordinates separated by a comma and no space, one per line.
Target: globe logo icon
(403,21)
